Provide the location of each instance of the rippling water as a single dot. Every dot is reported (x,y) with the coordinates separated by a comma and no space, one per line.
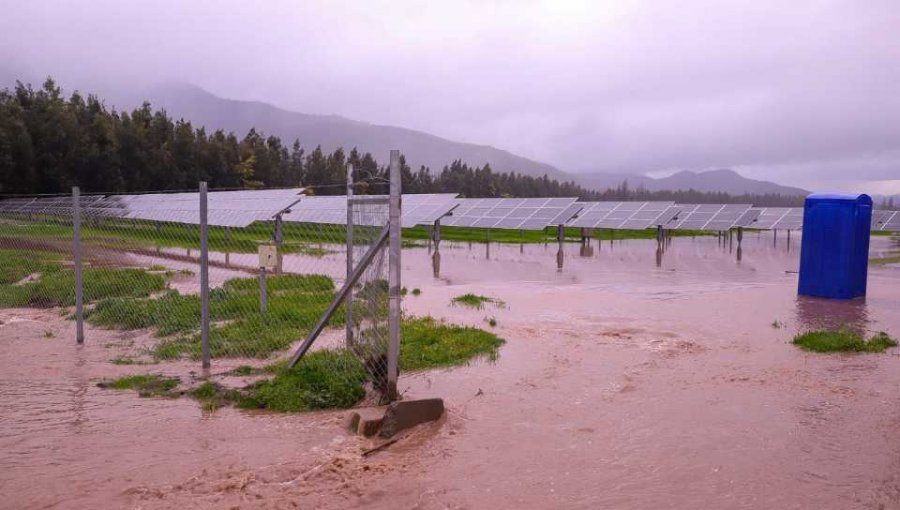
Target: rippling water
(630,379)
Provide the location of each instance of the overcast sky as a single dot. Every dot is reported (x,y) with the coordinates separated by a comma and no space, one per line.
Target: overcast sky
(802,92)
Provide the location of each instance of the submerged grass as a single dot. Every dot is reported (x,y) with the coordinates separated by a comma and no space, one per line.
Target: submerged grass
(147,385)
(320,380)
(843,340)
(428,343)
(885,260)
(476,301)
(328,379)
(336,378)
(481,235)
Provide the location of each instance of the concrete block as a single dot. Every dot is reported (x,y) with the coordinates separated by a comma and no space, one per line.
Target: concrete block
(366,422)
(409,413)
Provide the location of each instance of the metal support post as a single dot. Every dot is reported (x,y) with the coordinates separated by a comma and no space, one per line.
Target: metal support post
(263,291)
(204,277)
(436,234)
(76,253)
(394,279)
(560,239)
(278,237)
(349,304)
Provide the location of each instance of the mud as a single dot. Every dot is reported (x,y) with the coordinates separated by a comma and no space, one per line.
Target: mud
(629,380)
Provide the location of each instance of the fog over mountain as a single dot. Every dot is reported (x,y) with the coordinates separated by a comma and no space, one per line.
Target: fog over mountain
(800,93)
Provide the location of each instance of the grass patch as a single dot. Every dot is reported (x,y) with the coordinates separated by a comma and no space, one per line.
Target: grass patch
(56,287)
(476,301)
(885,260)
(321,380)
(843,340)
(328,379)
(295,302)
(16,265)
(416,292)
(147,385)
(336,378)
(428,343)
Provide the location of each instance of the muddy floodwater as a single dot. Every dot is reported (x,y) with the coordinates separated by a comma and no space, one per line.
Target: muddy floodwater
(632,377)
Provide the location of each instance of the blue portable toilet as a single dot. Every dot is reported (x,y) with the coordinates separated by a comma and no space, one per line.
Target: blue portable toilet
(834,252)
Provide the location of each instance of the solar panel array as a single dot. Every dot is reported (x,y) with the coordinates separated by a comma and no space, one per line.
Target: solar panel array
(709,216)
(241,208)
(224,208)
(417,209)
(511,213)
(886,221)
(625,215)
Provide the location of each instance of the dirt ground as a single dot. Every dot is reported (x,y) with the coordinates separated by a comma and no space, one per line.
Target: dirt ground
(627,381)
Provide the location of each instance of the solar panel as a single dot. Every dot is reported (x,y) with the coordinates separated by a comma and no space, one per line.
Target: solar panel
(748,218)
(224,208)
(511,213)
(709,216)
(776,218)
(54,206)
(886,221)
(417,209)
(625,215)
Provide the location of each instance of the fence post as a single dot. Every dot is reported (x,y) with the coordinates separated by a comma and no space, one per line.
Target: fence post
(263,291)
(394,279)
(349,303)
(204,276)
(76,253)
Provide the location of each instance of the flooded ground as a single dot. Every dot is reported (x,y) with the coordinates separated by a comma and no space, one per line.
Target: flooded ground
(631,378)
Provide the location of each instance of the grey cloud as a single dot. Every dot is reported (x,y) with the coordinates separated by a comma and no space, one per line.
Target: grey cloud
(803,92)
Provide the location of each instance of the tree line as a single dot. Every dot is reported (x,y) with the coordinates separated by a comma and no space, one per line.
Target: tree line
(49,143)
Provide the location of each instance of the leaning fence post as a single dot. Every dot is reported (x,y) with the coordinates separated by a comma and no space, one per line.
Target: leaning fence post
(348,305)
(394,279)
(76,254)
(204,276)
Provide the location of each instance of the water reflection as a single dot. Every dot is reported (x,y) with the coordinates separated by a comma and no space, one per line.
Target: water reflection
(819,313)
(436,263)
(586,250)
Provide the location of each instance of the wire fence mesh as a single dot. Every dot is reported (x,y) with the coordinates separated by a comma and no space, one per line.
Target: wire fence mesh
(270,279)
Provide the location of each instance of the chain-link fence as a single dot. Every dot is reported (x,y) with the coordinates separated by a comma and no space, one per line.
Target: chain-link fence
(264,285)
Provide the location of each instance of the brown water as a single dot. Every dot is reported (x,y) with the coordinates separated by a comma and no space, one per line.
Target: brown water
(626,382)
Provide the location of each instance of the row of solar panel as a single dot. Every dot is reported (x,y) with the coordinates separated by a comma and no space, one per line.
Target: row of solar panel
(241,208)
(235,208)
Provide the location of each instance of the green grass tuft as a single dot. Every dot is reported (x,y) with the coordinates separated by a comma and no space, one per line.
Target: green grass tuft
(843,340)
(320,380)
(476,301)
(147,385)
(428,343)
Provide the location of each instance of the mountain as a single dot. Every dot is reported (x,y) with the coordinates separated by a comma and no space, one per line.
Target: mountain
(723,180)
(331,131)
(203,108)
